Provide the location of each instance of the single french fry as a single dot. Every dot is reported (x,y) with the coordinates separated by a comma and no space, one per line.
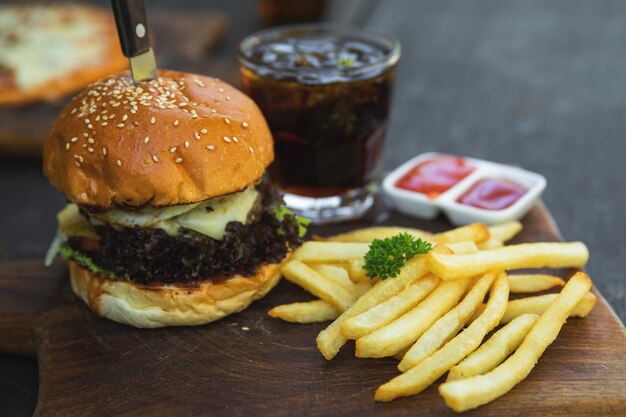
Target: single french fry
(491,243)
(336,274)
(330,251)
(523,283)
(495,350)
(405,330)
(430,369)
(305,312)
(469,393)
(390,309)
(447,326)
(540,303)
(526,255)
(356,271)
(304,276)
(330,340)
(505,231)
(461,247)
(476,232)
(368,234)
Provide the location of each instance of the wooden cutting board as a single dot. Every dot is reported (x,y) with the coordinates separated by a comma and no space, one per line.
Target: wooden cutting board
(92,366)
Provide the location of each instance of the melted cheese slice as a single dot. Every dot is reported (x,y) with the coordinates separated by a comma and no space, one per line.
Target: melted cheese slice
(209,218)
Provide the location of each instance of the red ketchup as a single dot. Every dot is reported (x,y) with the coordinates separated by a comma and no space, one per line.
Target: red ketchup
(492,194)
(435,176)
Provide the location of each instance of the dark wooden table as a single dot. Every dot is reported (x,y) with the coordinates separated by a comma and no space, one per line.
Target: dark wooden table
(534,83)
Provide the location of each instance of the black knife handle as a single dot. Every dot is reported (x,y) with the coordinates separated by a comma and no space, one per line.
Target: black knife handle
(132,26)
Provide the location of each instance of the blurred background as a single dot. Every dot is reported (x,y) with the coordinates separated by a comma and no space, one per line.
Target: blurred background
(536,83)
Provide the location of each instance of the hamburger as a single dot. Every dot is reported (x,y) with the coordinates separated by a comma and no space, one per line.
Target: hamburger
(169,221)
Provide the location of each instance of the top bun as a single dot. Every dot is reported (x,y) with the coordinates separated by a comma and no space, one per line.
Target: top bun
(178,139)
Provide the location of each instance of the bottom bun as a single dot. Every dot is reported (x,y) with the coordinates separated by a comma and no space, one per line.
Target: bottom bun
(149,306)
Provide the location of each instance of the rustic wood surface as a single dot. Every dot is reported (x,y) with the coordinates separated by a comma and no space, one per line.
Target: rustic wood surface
(92,366)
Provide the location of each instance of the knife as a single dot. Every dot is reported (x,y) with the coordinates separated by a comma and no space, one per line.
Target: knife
(132,28)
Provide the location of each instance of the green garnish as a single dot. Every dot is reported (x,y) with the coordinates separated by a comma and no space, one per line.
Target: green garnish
(386,257)
(303,222)
(84,261)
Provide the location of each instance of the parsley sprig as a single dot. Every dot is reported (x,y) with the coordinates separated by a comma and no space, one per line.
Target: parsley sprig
(386,257)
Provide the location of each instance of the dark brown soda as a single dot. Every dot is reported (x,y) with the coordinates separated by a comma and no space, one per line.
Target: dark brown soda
(328,118)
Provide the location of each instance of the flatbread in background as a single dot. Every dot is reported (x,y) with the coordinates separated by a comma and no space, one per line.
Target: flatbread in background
(49,51)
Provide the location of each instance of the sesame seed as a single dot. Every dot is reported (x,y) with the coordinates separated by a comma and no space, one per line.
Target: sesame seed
(203,131)
(227,98)
(90,126)
(226,139)
(105,117)
(178,160)
(250,149)
(173,149)
(210,147)
(75,156)
(87,121)
(221,90)
(80,158)
(183,104)
(124,118)
(76,163)
(85,135)
(104,151)
(67,146)
(119,163)
(146,139)
(104,124)
(120,125)
(196,135)
(74,139)
(153,120)
(213,111)
(155,158)
(133,111)
(245,328)
(244,124)
(235,139)
(112,116)
(90,149)
(90,140)
(135,123)
(227,120)
(176,122)
(186,144)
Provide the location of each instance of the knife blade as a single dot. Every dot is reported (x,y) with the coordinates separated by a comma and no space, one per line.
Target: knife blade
(132,28)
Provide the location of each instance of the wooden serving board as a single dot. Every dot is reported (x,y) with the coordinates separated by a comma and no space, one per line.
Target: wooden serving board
(92,366)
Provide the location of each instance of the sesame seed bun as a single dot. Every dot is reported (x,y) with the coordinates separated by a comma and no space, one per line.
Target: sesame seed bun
(150,306)
(178,139)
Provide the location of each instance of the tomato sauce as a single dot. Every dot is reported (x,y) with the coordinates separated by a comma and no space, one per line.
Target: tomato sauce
(435,176)
(493,194)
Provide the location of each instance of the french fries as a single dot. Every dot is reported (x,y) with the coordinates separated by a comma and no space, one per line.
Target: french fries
(526,255)
(540,303)
(476,232)
(330,251)
(390,309)
(306,277)
(426,372)
(494,350)
(447,326)
(307,312)
(469,393)
(368,234)
(405,330)
(330,340)
(533,282)
(418,317)
(505,231)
